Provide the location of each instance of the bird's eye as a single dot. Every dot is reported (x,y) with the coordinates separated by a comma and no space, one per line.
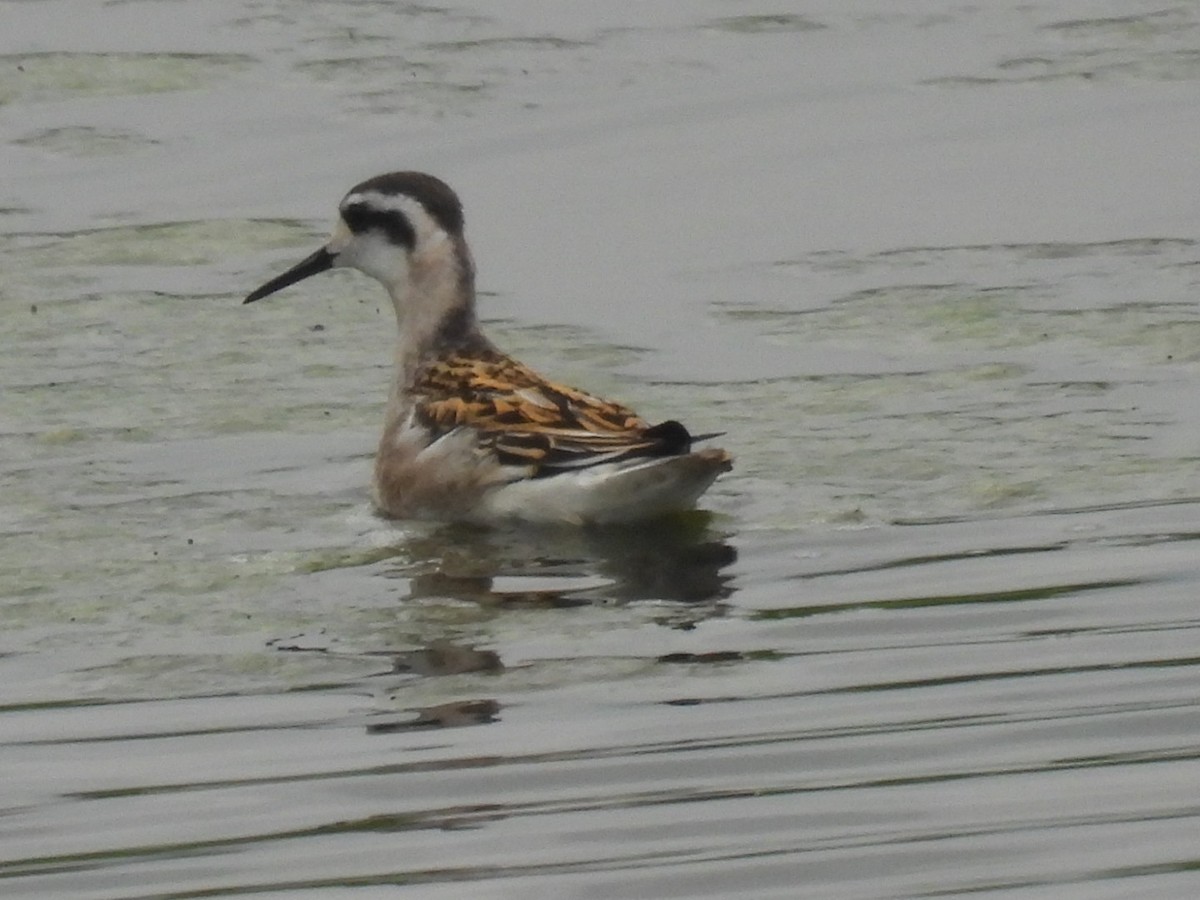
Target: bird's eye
(393,224)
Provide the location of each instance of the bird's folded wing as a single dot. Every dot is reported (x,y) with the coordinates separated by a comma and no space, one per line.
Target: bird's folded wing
(528,421)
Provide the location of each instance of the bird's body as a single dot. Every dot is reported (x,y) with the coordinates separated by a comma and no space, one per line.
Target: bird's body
(471,434)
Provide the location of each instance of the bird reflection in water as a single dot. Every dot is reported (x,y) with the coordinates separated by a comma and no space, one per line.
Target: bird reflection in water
(674,560)
(444,715)
(681,564)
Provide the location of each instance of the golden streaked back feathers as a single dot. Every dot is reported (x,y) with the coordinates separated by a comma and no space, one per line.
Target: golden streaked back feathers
(529,421)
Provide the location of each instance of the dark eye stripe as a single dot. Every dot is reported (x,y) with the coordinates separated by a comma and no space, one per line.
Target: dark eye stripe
(360,217)
(432,193)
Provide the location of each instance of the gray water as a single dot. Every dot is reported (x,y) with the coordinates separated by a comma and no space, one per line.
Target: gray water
(933,269)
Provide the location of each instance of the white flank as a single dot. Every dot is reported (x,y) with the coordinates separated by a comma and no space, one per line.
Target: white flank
(607,493)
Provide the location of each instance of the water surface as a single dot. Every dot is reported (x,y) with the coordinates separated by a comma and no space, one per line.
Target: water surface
(932,270)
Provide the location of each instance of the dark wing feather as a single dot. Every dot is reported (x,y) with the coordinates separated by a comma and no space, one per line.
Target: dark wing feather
(529,421)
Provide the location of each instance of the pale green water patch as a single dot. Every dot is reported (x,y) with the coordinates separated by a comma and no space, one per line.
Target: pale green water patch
(1142,26)
(1156,45)
(1029,354)
(513,43)
(430,97)
(1022,595)
(176,371)
(359,67)
(85,141)
(324,22)
(159,244)
(781,23)
(51,76)
(1129,294)
(377,84)
(245,666)
(441,77)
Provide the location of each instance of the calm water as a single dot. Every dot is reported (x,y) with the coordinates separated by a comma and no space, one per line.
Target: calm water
(932,267)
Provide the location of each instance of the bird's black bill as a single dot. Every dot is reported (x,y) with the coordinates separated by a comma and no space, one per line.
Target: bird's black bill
(318,262)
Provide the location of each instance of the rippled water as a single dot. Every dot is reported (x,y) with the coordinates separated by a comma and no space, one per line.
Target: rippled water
(934,271)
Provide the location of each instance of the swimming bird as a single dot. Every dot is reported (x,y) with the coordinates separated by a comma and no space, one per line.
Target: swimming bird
(471,434)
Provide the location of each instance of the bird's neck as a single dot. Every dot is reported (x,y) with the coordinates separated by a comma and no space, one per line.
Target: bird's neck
(435,312)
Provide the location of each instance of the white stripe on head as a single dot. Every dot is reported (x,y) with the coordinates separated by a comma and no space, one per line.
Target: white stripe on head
(425,226)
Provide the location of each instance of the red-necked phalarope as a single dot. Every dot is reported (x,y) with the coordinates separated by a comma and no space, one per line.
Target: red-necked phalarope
(471,434)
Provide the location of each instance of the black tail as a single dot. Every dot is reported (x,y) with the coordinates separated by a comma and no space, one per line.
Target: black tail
(673,439)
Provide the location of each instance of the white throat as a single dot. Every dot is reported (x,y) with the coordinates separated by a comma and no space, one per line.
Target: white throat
(432,287)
